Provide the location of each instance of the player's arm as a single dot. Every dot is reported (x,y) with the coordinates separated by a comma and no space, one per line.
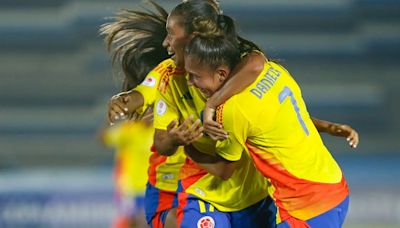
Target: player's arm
(123,105)
(231,149)
(168,141)
(242,76)
(336,129)
(215,165)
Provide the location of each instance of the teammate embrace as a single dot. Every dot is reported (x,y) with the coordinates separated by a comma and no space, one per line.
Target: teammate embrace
(261,164)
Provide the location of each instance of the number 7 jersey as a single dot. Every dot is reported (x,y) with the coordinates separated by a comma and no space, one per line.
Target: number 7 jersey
(270,120)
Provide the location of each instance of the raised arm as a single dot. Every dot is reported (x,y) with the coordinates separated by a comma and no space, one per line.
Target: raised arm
(336,129)
(242,76)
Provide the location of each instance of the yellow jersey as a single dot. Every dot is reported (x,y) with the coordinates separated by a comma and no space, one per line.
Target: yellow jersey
(177,100)
(270,120)
(132,140)
(163,171)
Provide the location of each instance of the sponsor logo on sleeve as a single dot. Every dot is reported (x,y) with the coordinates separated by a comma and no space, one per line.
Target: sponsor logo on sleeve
(161,107)
(149,81)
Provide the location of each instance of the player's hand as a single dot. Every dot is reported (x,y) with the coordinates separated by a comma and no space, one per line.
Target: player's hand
(118,108)
(148,116)
(344,130)
(211,127)
(187,132)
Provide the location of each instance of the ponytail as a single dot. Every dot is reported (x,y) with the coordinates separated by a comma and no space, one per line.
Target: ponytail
(247,46)
(134,40)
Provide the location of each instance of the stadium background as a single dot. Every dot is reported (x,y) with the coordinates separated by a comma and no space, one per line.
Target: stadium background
(56,79)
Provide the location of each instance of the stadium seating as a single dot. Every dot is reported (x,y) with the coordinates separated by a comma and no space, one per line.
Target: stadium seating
(57,77)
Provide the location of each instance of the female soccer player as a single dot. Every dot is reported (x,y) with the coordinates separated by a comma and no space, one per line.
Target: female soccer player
(135,40)
(124,101)
(269,121)
(129,25)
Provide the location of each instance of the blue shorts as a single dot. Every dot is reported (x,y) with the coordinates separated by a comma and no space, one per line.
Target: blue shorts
(157,205)
(194,212)
(333,218)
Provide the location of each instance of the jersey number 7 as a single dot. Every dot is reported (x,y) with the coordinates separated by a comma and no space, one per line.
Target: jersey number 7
(287,92)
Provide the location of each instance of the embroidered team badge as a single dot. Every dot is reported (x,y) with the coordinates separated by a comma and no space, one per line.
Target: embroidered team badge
(161,107)
(206,222)
(149,81)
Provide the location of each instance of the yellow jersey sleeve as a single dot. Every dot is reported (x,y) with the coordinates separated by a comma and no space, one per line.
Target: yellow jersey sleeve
(165,109)
(173,99)
(148,88)
(230,149)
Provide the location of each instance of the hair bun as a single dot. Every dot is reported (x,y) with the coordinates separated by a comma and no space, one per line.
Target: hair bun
(207,28)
